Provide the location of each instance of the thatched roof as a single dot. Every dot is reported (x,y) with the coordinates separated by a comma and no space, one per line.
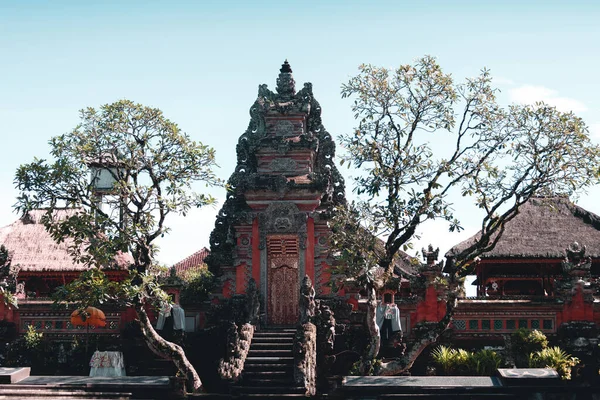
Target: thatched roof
(32,248)
(192,261)
(404,265)
(544,228)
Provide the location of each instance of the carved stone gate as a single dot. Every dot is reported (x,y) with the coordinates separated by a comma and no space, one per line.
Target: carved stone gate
(283,260)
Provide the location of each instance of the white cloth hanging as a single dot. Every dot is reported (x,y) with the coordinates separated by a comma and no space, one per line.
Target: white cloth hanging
(178,317)
(388,311)
(107,363)
(164,313)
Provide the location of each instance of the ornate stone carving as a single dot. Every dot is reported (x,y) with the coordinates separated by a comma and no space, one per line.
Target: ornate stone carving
(282,217)
(307,301)
(430,270)
(322,240)
(302,238)
(286,86)
(282,224)
(430,256)
(253,305)
(20,291)
(283,164)
(284,128)
(576,264)
(298,108)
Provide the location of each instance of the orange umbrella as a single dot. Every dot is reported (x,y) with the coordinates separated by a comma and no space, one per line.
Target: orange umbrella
(90,316)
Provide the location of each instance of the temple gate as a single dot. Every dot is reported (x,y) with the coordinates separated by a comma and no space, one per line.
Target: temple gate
(273,225)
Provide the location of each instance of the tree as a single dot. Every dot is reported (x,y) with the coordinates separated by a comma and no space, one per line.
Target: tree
(500,157)
(153,166)
(8,278)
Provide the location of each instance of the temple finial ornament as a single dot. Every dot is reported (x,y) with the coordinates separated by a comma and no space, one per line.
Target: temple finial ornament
(286,86)
(430,255)
(285,68)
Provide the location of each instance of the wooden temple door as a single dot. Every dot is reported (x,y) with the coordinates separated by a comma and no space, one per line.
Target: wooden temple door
(283,259)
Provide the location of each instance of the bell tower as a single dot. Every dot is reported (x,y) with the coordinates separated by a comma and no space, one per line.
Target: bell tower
(273,225)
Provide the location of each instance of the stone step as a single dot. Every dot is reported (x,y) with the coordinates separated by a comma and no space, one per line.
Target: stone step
(274,339)
(260,374)
(282,382)
(448,396)
(274,333)
(244,390)
(267,360)
(270,353)
(271,329)
(272,345)
(268,367)
(273,396)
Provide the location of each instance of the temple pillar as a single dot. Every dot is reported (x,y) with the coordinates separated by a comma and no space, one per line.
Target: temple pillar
(256,259)
(309,253)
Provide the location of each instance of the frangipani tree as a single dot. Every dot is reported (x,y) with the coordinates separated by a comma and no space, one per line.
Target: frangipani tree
(499,157)
(151,167)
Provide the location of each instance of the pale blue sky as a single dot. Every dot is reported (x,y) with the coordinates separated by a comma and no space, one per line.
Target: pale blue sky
(201,63)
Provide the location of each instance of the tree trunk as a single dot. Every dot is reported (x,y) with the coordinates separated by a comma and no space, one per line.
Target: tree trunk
(405,363)
(415,349)
(373,328)
(168,350)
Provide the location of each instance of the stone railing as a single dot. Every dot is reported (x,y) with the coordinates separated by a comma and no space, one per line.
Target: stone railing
(305,341)
(239,340)
(305,357)
(238,345)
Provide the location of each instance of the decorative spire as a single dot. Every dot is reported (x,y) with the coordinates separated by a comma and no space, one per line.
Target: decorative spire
(430,255)
(285,83)
(285,67)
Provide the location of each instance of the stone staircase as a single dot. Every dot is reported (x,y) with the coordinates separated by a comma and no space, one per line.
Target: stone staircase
(269,367)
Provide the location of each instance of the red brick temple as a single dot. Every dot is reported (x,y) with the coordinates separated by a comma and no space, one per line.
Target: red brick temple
(273,225)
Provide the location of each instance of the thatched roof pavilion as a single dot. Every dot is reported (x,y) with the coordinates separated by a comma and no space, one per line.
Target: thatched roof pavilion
(544,228)
(529,255)
(32,248)
(43,263)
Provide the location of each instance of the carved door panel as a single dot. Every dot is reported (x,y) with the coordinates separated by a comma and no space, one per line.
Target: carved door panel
(282,279)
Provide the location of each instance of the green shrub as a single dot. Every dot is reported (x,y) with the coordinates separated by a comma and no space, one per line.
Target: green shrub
(462,362)
(33,338)
(486,362)
(371,368)
(525,342)
(199,282)
(554,357)
(445,358)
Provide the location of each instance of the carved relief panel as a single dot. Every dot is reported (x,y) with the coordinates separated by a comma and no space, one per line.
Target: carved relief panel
(287,126)
(282,218)
(282,264)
